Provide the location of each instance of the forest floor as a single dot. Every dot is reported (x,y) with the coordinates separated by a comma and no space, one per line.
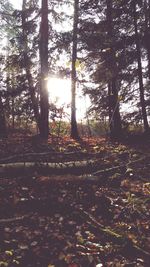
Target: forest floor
(91,210)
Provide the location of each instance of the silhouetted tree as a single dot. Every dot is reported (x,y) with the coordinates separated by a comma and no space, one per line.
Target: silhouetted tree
(43,46)
(114,114)
(27,62)
(140,75)
(74,130)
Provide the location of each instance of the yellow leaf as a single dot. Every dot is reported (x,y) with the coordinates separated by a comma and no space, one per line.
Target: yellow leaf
(80,239)
(120,97)
(68,64)
(146,188)
(3,264)
(96,148)
(9,252)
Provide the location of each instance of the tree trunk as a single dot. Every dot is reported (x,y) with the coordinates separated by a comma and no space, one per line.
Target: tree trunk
(147,32)
(140,75)
(74,130)
(3,132)
(43,47)
(27,67)
(13,112)
(109,104)
(114,114)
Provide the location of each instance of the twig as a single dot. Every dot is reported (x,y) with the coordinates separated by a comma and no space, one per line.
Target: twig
(113,234)
(122,167)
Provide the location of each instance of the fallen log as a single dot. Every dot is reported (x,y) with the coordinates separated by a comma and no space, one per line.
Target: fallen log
(75,167)
(54,154)
(83,168)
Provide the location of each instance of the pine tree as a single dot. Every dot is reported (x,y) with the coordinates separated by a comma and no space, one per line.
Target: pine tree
(27,63)
(140,75)
(74,130)
(114,114)
(43,47)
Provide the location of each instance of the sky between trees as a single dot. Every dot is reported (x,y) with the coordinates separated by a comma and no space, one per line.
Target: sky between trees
(109,38)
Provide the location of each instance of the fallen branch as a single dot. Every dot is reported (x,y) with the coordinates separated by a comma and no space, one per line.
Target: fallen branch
(121,167)
(112,234)
(109,170)
(14,219)
(103,229)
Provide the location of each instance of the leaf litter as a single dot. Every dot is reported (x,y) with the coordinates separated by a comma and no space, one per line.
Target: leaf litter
(58,222)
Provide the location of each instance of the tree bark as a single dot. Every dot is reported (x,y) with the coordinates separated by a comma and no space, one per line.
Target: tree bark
(140,74)
(43,47)
(49,168)
(114,114)
(27,67)
(147,32)
(3,132)
(74,130)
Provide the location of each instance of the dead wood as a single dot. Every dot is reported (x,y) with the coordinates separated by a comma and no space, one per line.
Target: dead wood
(121,167)
(49,168)
(36,156)
(110,170)
(81,168)
(14,219)
(122,239)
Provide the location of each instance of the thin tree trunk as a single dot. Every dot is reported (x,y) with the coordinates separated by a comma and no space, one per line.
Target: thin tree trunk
(13,113)
(12,99)
(147,31)
(140,75)
(74,130)
(27,67)
(109,105)
(116,127)
(3,132)
(44,103)
(114,114)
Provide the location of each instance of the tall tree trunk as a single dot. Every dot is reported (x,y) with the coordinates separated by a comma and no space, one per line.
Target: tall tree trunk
(13,112)
(74,129)
(114,114)
(44,103)
(147,31)
(3,132)
(27,66)
(140,75)
(109,104)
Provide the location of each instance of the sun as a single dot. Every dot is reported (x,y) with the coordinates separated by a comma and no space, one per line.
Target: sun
(59,91)
(60,94)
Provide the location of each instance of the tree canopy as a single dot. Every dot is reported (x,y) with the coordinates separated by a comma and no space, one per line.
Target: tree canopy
(111,39)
